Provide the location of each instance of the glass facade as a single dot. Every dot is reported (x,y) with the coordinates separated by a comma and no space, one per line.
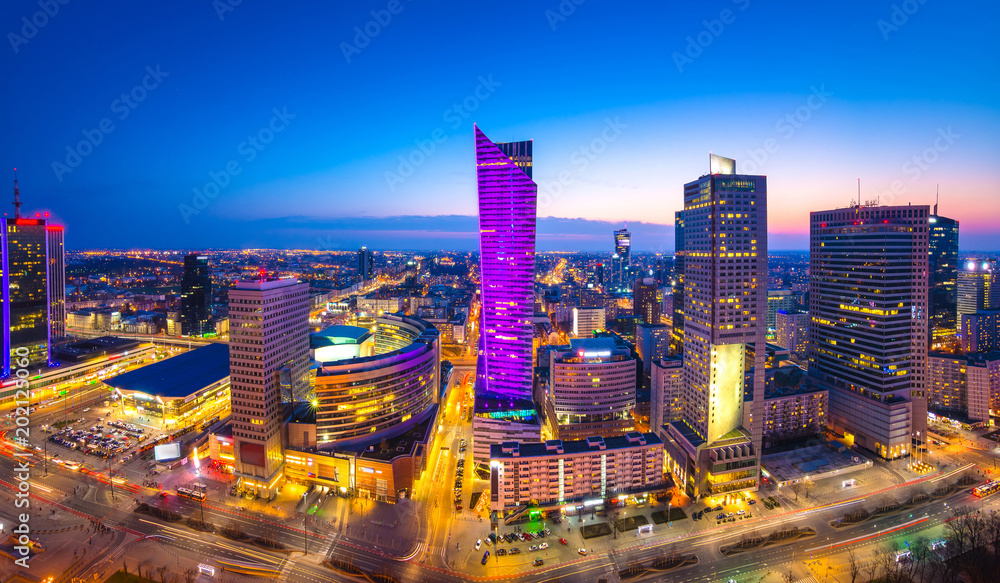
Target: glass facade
(507,212)
(26,287)
(196,297)
(943,266)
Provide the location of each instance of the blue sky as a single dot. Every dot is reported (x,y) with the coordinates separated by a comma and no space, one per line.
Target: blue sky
(304,130)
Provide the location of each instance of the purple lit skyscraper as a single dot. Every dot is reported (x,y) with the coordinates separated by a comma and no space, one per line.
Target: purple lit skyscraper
(507,201)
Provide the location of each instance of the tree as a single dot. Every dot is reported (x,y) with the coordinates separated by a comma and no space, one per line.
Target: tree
(163,574)
(854,566)
(795,488)
(874,565)
(788,577)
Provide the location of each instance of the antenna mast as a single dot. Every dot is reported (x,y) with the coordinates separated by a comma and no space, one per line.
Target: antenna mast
(17,198)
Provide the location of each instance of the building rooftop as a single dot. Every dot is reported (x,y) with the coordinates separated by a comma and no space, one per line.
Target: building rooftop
(179,376)
(92,348)
(546,448)
(339,335)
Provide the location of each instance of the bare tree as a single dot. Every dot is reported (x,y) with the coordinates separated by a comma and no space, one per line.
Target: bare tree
(796,486)
(854,566)
(163,574)
(788,577)
(809,486)
(874,566)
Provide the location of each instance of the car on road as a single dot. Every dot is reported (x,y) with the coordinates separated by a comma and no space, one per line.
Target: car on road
(752,501)
(486,557)
(582,552)
(538,563)
(543,546)
(563,541)
(479,543)
(514,551)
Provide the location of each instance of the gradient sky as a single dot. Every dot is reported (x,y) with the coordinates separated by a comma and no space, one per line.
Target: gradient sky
(622,107)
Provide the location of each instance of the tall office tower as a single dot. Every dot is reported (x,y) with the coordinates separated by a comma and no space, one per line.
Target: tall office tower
(57,281)
(366,264)
(507,201)
(717,445)
(943,279)
(621,261)
(677,337)
(508,197)
(268,335)
(644,302)
(196,296)
(868,330)
(978,288)
(29,273)
(652,343)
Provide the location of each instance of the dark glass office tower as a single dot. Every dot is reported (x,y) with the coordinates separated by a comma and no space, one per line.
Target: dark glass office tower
(677,336)
(366,264)
(621,261)
(196,296)
(943,277)
(25,292)
(57,281)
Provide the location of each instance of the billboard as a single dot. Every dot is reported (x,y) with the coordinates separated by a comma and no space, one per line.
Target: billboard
(167,451)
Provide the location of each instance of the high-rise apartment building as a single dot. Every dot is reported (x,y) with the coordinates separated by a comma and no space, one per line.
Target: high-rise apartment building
(366,264)
(268,337)
(792,331)
(778,300)
(652,343)
(621,261)
(196,296)
(978,288)
(677,336)
(715,449)
(943,279)
(666,401)
(868,303)
(980,332)
(644,302)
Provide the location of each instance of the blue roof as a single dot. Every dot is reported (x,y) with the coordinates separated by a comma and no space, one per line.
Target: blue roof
(178,376)
(334,335)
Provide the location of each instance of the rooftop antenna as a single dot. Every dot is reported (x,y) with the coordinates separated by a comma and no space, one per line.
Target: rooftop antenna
(937,198)
(17,198)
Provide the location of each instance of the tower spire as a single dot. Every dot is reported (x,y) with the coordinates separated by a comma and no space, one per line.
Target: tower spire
(17,198)
(937,198)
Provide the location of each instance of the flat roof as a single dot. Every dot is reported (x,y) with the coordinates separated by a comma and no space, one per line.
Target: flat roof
(540,449)
(334,335)
(179,376)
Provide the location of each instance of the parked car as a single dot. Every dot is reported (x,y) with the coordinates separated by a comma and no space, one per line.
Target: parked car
(501,552)
(538,563)
(479,543)
(582,552)
(543,546)
(514,551)
(532,548)
(563,541)
(486,557)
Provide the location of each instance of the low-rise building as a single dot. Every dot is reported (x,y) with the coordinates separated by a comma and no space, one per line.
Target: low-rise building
(556,472)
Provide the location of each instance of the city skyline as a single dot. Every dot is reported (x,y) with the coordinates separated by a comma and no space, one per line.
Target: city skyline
(903,126)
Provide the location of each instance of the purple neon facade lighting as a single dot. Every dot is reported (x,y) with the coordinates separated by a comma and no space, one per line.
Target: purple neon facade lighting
(6,300)
(507,211)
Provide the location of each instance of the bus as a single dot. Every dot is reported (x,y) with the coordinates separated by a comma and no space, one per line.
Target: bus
(986,489)
(192,494)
